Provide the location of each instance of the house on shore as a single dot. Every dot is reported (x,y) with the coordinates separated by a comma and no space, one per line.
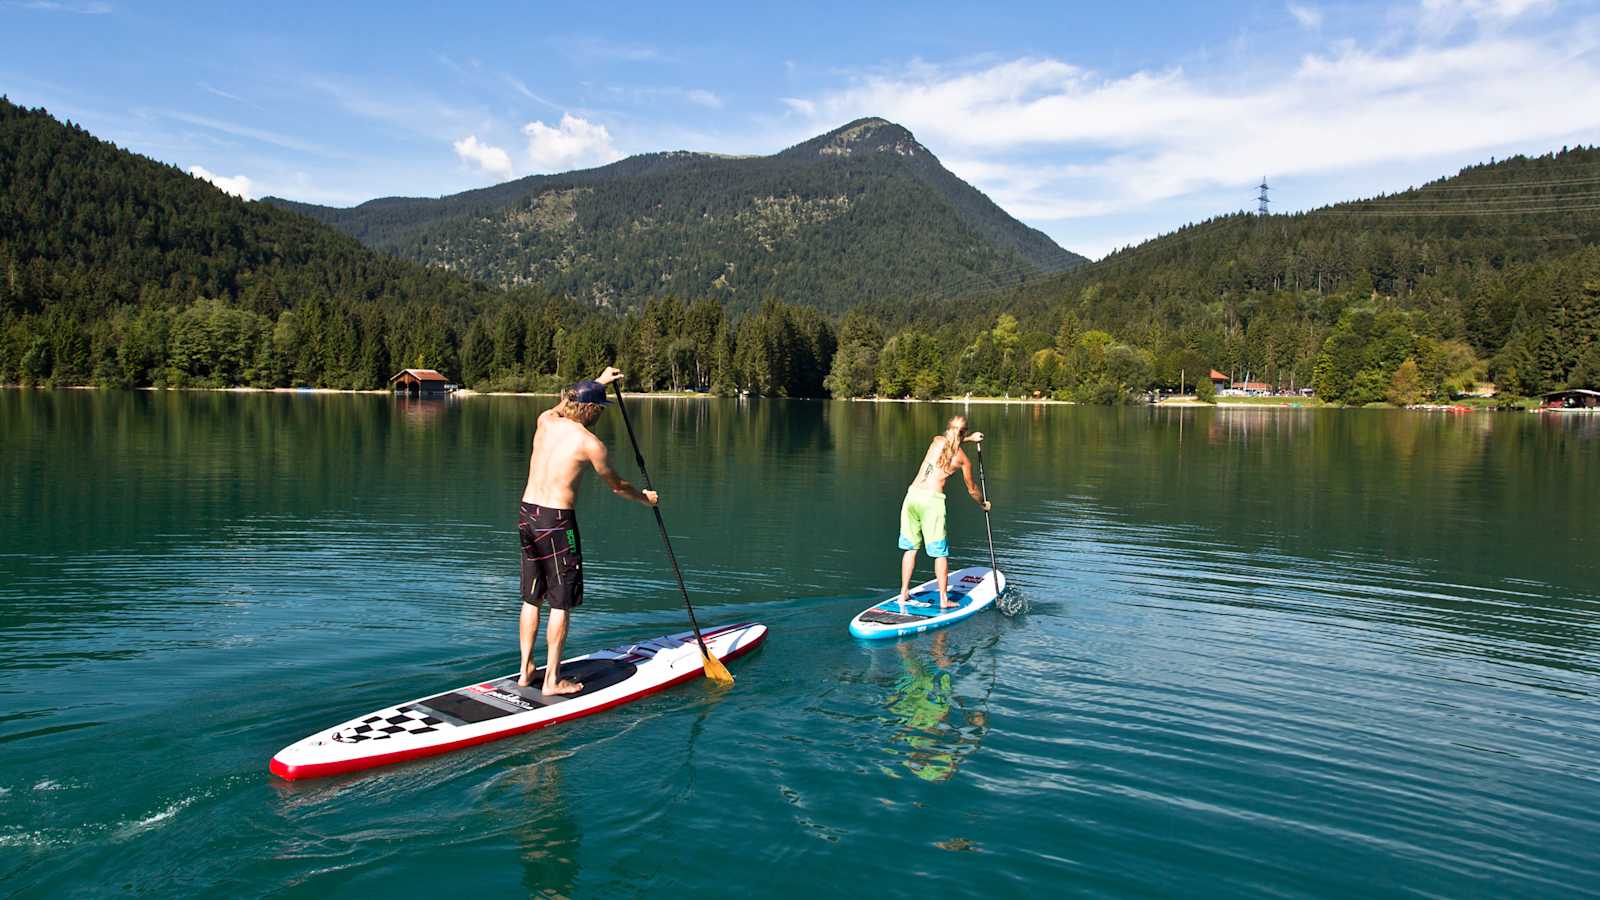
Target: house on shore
(1576,398)
(420,383)
(1219,380)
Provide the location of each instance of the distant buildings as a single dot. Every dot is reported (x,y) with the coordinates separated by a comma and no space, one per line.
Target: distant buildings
(1577,398)
(420,383)
(1229,388)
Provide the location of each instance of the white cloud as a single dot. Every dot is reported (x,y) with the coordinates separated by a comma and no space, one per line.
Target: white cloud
(287,142)
(1482,10)
(490,159)
(703,98)
(575,143)
(1049,140)
(597,49)
(1309,17)
(522,88)
(81,9)
(237,185)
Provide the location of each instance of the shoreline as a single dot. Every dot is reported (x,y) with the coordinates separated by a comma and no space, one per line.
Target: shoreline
(1285,403)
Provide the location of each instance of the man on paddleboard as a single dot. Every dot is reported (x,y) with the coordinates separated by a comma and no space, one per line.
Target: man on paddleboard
(922,514)
(552,552)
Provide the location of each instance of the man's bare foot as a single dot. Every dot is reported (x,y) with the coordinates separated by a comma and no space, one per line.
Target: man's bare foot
(562,687)
(946,604)
(526,679)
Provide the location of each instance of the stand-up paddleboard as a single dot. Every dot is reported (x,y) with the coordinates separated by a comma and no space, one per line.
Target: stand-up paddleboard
(490,710)
(974,588)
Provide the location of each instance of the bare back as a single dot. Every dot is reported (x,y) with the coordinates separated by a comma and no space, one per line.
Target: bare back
(562,448)
(930,476)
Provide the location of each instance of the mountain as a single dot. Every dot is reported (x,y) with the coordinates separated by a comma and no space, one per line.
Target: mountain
(116,269)
(1492,273)
(862,213)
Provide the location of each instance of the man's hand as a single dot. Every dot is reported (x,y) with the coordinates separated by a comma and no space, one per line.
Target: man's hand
(651,498)
(986,505)
(612,373)
(976,437)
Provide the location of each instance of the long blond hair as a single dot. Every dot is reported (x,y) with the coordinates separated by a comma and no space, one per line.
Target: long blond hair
(957,424)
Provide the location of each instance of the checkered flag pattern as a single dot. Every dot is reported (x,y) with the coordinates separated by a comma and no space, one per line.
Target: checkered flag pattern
(404,720)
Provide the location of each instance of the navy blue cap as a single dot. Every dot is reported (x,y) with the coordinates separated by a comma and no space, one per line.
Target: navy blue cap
(589,392)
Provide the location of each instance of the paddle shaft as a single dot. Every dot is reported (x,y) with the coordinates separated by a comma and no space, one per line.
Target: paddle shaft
(983,491)
(660,522)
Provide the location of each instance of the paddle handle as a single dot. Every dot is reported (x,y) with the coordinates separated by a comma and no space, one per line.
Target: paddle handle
(983,491)
(660,522)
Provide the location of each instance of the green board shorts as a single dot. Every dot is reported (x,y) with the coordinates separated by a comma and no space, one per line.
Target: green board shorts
(922,522)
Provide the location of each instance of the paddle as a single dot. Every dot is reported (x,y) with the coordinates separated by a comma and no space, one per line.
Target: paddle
(1011,601)
(715,670)
(983,491)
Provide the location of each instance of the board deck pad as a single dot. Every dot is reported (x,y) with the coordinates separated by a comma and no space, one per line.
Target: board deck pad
(973,589)
(489,710)
(931,598)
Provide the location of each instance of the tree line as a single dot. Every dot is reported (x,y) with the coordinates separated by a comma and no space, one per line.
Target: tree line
(116,270)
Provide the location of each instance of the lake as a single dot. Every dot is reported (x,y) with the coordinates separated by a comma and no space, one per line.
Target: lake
(1268,652)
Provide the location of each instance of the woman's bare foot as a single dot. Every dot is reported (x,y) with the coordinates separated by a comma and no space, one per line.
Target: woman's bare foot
(526,679)
(563,687)
(946,604)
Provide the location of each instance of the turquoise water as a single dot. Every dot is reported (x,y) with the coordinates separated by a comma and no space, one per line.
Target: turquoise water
(1268,652)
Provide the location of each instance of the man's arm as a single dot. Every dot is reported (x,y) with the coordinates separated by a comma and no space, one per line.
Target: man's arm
(612,373)
(972,487)
(600,459)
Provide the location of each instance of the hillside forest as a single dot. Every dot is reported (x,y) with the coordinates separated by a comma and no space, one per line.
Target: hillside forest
(119,271)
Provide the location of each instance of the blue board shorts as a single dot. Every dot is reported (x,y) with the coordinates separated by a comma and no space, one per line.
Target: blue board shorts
(922,522)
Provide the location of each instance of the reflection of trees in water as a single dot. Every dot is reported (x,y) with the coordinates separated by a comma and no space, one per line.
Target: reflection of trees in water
(936,726)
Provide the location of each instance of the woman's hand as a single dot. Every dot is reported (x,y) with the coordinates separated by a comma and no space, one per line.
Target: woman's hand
(612,373)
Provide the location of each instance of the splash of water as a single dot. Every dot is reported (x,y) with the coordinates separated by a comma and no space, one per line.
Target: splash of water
(1012,603)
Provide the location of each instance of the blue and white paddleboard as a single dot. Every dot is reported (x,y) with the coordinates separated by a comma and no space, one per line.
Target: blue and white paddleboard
(974,589)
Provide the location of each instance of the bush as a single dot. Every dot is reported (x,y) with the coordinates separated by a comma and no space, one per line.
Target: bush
(1205,391)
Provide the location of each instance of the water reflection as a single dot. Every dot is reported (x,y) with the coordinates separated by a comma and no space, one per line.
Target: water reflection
(547,837)
(935,726)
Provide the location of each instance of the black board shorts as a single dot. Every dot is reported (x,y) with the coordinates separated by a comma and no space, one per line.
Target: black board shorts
(552,556)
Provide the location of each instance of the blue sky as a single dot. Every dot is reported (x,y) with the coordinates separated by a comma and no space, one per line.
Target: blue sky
(1102,124)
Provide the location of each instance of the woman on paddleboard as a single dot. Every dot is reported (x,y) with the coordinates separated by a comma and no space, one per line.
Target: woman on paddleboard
(922,514)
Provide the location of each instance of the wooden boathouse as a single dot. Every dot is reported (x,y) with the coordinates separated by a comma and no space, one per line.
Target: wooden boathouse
(420,383)
(1576,398)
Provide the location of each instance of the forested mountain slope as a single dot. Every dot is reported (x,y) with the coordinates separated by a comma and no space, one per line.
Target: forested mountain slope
(862,213)
(1491,273)
(116,269)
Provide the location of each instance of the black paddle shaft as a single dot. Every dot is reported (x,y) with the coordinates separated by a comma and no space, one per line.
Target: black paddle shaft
(660,522)
(983,491)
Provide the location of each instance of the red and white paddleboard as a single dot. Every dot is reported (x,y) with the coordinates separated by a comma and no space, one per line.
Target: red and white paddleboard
(490,710)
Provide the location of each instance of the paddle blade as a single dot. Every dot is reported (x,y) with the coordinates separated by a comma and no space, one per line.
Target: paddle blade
(716,671)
